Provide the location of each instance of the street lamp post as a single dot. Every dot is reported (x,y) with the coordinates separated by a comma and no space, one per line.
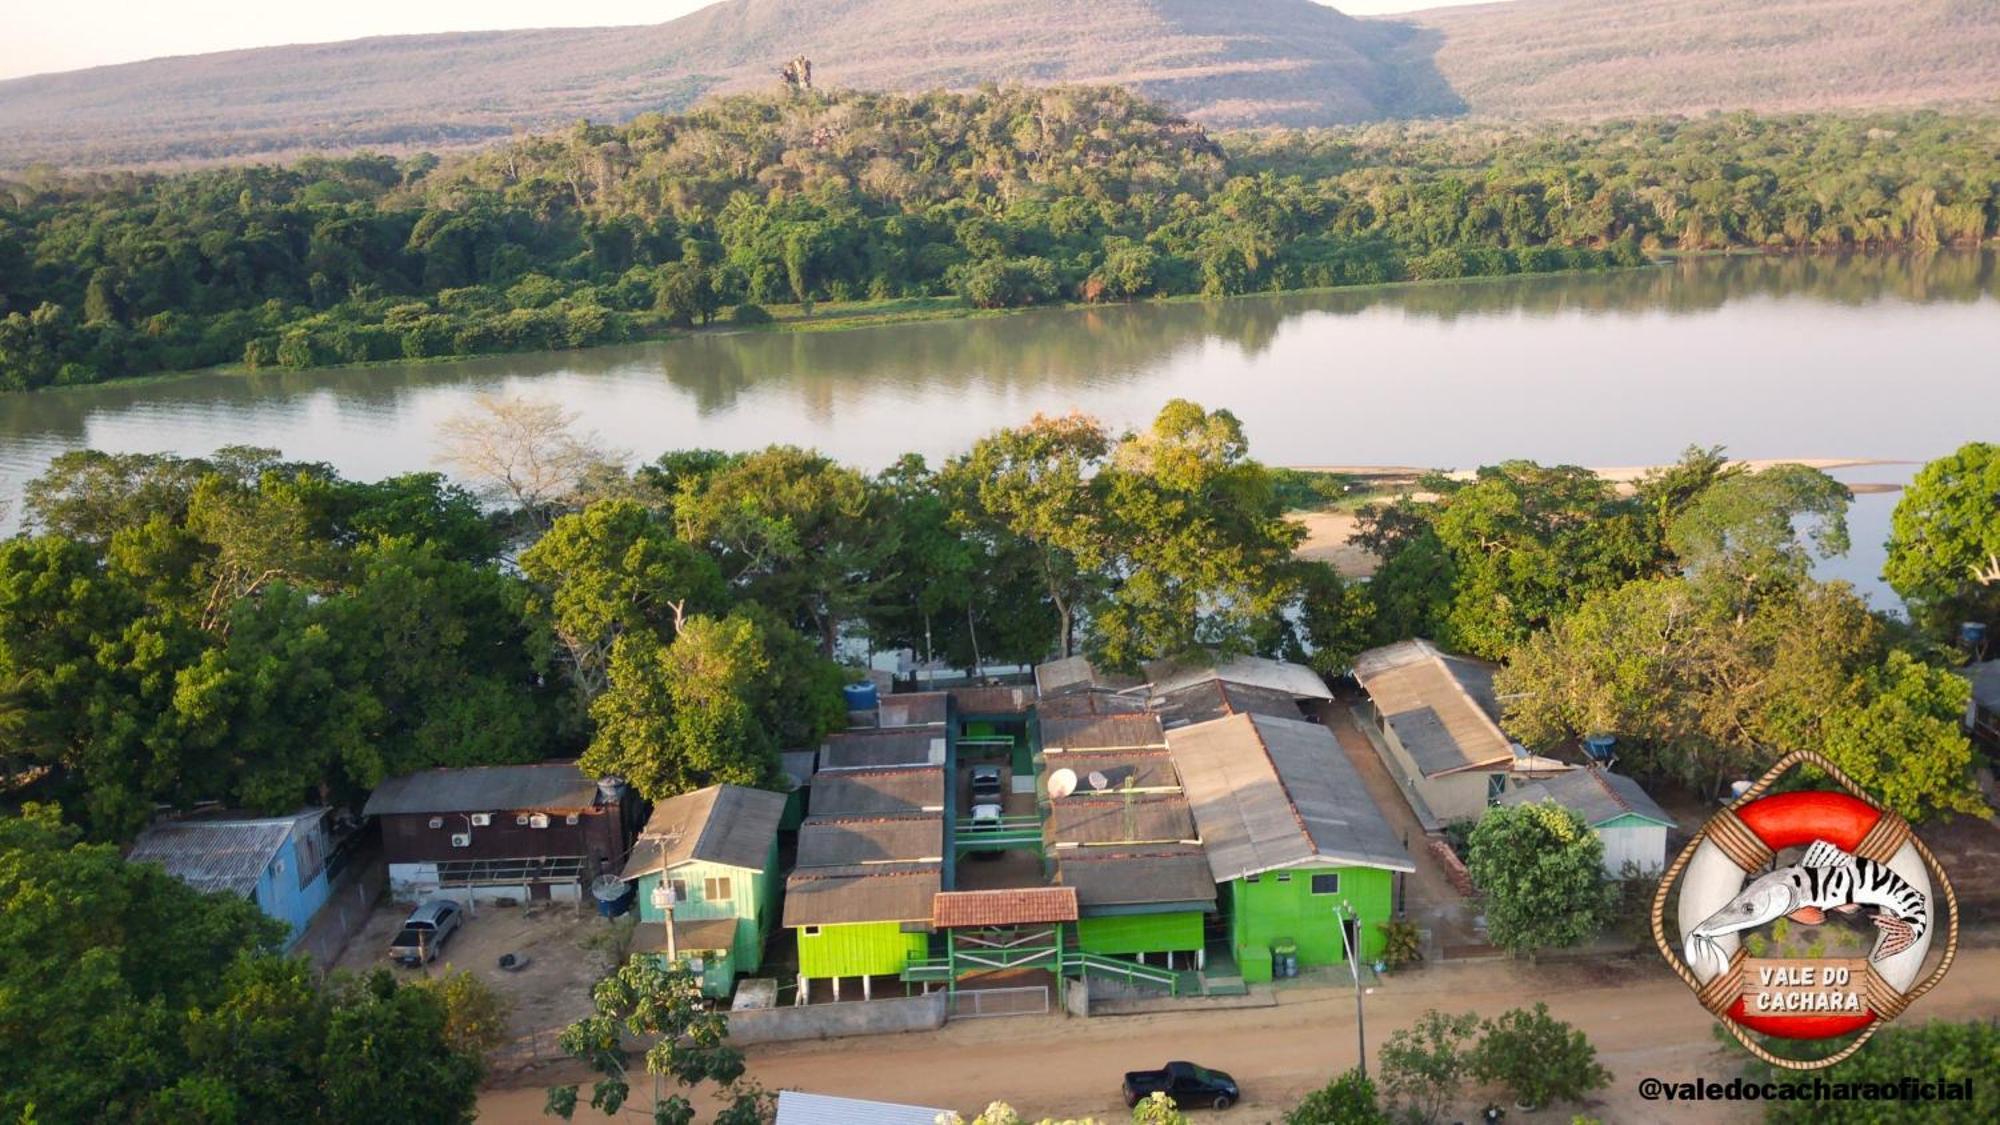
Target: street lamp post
(1341,914)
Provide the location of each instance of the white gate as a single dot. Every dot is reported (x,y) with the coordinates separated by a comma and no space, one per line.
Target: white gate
(1023,1000)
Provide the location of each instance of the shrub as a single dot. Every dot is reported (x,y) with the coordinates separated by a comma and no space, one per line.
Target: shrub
(750,313)
(1538,1058)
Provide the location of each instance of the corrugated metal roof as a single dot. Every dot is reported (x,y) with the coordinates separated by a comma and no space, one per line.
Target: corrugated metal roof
(828,897)
(217,855)
(1434,704)
(995,700)
(865,749)
(1076,674)
(798,1108)
(1148,769)
(1091,732)
(550,785)
(1269,793)
(1295,680)
(1217,699)
(726,824)
(1017,906)
(1985,678)
(690,935)
(1593,794)
(913,709)
(1101,820)
(799,766)
(1136,877)
(876,792)
(1090,703)
(855,840)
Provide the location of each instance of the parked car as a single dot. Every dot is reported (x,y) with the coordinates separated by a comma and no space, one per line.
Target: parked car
(425,931)
(988,787)
(1189,1085)
(985,818)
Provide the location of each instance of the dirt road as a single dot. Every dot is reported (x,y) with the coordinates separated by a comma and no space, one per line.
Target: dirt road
(1643,1021)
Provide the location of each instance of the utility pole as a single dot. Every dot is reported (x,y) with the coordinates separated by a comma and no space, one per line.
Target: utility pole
(1341,914)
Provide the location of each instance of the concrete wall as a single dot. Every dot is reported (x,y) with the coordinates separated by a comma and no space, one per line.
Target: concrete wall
(834,1021)
(1076,997)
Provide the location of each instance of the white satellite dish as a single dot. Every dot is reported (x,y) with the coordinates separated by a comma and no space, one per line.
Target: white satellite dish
(1062,783)
(1098,781)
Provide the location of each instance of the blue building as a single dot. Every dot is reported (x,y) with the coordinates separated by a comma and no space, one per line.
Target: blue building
(278,862)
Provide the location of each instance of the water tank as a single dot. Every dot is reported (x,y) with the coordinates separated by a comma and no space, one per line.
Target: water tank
(1972,634)
(610,789)
(1599,746)
(860,697)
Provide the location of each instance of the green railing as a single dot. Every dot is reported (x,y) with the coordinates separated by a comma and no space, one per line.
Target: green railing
(1079,964)
(927,969)
(1020,831)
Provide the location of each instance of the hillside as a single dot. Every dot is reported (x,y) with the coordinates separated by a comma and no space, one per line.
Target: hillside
(1291,62)
(1590,58)
(1241,63)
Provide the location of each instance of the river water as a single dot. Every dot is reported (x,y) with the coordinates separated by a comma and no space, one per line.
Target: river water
(1854,356)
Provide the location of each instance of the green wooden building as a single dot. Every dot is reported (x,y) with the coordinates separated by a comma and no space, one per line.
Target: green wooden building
(707,864)
(1297,848)
(859,898)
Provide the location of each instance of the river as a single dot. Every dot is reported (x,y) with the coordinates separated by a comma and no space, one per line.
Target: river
(1888,357)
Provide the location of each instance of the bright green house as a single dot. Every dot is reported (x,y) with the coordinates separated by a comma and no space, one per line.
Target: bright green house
(859,898)
(1292,839)
(706,864)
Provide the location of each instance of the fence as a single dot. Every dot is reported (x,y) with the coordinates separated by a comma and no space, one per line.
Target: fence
(1023,1000)
(348,905)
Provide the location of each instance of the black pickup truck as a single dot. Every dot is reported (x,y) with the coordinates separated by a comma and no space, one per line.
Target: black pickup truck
(1189,1085)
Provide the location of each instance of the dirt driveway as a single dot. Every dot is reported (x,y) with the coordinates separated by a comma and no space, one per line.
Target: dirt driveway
(1643,1021)
(563,961)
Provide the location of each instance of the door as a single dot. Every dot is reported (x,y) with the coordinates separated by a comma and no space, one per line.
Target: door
(1350,931)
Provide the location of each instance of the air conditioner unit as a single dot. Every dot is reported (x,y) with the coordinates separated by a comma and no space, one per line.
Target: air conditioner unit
(571,819)
(437,822)
(521,819)
(694,965)
(461,839)
(481,819)
(539,820)
(664,895)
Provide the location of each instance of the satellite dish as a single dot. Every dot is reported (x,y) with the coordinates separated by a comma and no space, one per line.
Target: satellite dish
(1062,783)
(1098,781)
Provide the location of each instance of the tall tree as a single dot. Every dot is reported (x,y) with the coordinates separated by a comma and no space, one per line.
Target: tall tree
(1541,869)
(521,451)
(1944,539)
(1034,483)
(1899,737)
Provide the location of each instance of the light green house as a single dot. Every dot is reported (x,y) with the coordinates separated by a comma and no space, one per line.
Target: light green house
(707,862)
(859,897)
(1293,841)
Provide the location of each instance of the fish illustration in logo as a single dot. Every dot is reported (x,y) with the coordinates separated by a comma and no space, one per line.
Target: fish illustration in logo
(1825,878)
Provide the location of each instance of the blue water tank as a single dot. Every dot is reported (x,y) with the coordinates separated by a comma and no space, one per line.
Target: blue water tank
(1972,634)
(860,697)
(1599,746)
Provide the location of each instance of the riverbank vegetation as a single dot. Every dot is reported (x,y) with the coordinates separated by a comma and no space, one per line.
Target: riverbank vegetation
(997,199)
(260,632)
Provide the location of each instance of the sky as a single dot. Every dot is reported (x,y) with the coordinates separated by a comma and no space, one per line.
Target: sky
(43,37)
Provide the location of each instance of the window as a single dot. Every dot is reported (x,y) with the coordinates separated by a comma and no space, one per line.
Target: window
(680,889)
(1284,876)
(1496,784)
(808,931)
(715,890)
(1326,884)
(1250,878)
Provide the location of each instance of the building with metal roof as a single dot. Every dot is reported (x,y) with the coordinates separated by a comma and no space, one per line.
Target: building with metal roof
(880,792)
(870,749)
(1073,674)
(915,709)
(1102,732)
(527,832)
(1291,835)
(1435,721)
(278,862)
(795,1107)
(848,841)
(1092,820)
(1282,677)
(1632,825)
(1111,880)
(1219,699)
(706,863)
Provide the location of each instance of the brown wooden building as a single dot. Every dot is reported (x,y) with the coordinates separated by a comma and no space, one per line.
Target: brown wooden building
(524,832)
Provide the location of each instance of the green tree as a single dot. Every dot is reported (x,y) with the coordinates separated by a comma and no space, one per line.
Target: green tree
(1033,483)
(1541,871)
(1198,548)
(1337,617)
(1424,1066)
(1349,1099)
(1939,1051)
(1944,538)
(646,1002)
(1751,523)
(680,716)
(1900,738)
(611,571)
(1539,1059)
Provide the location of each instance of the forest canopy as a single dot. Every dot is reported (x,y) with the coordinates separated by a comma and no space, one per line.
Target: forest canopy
(999,198)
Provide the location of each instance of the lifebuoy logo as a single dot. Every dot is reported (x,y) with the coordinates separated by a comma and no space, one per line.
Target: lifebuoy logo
(1806,915)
